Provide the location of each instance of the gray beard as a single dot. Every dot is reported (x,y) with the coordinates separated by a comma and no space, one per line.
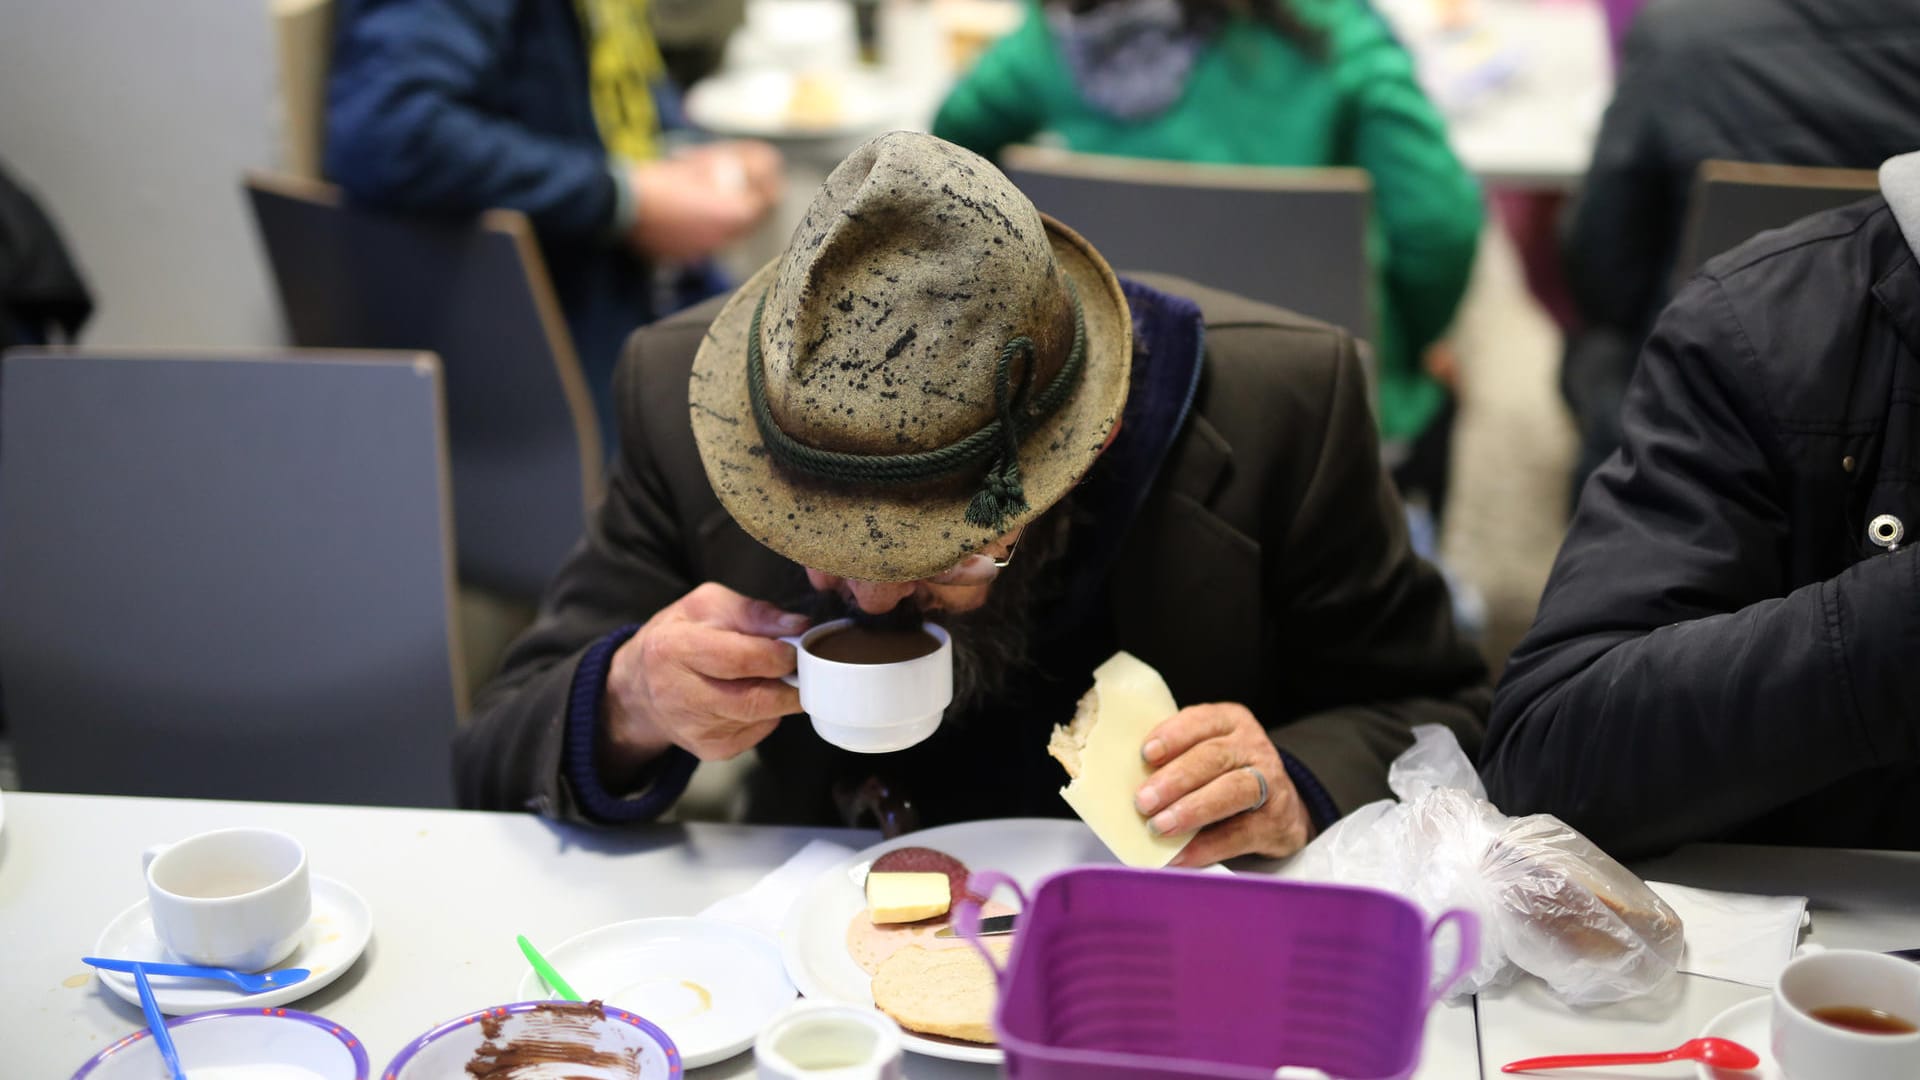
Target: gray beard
(992,643)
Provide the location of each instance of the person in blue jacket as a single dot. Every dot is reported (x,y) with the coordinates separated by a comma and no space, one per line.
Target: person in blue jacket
(553,108)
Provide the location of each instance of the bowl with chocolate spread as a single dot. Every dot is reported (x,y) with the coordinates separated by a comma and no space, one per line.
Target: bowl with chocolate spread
(533,1040)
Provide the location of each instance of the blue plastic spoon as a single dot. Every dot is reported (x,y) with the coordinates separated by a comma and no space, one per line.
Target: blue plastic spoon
(158,1025)
(252,984)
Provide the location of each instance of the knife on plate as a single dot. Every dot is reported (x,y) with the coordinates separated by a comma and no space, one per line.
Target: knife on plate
(993,924)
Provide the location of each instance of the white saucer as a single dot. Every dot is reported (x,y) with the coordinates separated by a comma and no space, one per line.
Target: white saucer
(1750,1024)
(336,936)
(711,986)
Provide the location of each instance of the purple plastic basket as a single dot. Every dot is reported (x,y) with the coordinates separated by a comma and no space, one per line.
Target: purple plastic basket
(1120,972)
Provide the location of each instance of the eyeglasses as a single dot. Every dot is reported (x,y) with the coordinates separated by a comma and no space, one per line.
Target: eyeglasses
(980,568)
(1000,562)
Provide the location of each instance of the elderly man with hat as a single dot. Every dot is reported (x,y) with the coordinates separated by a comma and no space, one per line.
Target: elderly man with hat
(940,403)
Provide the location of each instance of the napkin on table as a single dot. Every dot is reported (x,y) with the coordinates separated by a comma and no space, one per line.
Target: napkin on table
(764,906)
(1739,938)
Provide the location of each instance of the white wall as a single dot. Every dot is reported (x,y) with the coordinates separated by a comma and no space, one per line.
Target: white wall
(132,121)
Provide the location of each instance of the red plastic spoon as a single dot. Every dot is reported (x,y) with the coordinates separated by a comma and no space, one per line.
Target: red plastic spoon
(1719,1053)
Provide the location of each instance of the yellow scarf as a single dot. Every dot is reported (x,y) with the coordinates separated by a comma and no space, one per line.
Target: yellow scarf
(623,63)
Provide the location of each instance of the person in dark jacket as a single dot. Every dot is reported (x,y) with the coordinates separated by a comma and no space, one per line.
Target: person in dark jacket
(1785,82)
(43,298)
(553,108)
(1236,532)
(1729,645)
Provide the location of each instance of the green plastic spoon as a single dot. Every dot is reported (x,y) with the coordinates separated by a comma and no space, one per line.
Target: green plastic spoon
(545,970)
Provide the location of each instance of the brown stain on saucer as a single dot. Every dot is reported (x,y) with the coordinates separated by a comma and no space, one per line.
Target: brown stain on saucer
(705,995)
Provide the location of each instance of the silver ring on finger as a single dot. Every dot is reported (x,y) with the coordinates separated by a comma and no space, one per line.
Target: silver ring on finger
(1262,778)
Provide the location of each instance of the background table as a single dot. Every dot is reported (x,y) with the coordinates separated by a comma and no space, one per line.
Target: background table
(1537,130)
(448,890)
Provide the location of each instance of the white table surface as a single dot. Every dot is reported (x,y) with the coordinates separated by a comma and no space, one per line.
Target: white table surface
(1857,899)
(448,890)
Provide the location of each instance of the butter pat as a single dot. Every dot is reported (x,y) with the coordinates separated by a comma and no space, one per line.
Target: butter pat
(1101,751)
(898,898)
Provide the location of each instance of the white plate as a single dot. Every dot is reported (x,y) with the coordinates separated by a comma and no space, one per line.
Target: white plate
(711,986)
(757,104)
(336,935)
(235,1044)
(1750,1024)
(814,939)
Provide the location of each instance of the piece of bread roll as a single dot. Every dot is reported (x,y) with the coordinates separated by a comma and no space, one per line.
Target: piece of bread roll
(948,992)
(1068,741)
(1100,749)
(1586,924)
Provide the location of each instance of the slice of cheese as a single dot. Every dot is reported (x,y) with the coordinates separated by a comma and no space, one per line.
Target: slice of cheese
(898,898)
(1132,700)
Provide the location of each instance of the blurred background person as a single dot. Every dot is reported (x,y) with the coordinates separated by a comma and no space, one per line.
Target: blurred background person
(1263,82)
(692,35)
(1785,82)
(43,299)
(555,109)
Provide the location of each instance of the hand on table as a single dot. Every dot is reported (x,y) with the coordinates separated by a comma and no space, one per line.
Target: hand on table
(1204,759)
(702,199)
(703,674)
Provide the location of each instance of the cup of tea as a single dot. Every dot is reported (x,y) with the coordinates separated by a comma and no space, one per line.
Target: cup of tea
(235,898)
(1847,1012)
(870,689)
(818,1039)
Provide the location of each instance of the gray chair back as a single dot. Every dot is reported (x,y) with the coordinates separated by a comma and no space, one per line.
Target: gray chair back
(1295,238)
(526,447)
(1733,201)
(227,577)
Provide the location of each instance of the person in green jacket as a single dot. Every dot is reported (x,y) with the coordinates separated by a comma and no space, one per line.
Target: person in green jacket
(1260,82)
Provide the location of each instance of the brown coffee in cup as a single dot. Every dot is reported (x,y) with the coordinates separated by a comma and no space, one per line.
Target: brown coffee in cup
(870,645)
(1863,1020)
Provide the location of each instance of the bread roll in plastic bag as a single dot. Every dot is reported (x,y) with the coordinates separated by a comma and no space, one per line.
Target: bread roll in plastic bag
(1550,903)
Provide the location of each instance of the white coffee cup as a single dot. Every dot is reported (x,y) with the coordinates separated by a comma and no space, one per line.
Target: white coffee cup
(873,708)
(1808,1048)
(236,898)
(816,1040)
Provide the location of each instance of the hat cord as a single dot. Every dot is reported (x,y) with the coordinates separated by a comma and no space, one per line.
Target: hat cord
(1016,414)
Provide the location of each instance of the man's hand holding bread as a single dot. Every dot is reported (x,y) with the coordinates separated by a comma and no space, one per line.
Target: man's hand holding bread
(1204,761)
(1166,786)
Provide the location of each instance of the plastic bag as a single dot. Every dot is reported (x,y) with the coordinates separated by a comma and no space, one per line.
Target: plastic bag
(1550,903)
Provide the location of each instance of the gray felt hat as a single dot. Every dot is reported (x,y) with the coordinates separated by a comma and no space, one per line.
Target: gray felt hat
(930,365)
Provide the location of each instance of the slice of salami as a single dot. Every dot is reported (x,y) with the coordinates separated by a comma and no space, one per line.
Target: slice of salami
(921,860)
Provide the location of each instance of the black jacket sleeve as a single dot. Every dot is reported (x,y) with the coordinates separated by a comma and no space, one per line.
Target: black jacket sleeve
(1675,684)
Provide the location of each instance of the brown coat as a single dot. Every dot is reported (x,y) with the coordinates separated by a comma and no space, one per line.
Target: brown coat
(1268,566)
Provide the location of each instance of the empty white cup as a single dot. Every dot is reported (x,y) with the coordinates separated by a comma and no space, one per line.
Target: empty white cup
(1809,1048)
(236,898)
(819,1041)
(873,708)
